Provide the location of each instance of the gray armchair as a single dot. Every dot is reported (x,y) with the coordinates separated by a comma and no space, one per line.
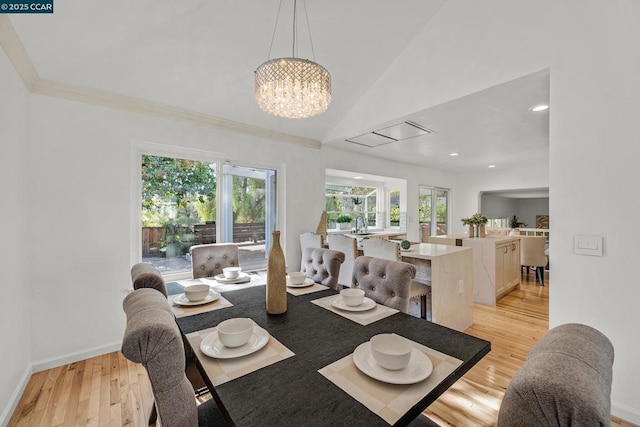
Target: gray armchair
(209,260)
(566,380)
(145,275)
(322,265)
(152,338)
(384,281)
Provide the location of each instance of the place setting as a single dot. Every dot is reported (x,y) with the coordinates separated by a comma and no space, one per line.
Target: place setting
(197,298)
(232,275)
(389,373)
(299,284)
(236,347)
(354,305)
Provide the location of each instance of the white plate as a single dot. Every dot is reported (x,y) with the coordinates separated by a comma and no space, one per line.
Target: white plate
(405,250)
(242,278)
(182,299)
(367,304)
(418,369)
(307,282)
(212,347)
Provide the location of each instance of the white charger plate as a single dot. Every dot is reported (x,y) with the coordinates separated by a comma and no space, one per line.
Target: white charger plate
(242,278)
(183,300)
(418,369)
(307,282)
(212,347)
(367,304)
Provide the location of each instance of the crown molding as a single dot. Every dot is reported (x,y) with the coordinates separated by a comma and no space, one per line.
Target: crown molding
(15,51)
(136,105)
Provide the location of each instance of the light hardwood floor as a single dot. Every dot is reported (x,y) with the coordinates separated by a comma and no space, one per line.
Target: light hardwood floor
(110,390)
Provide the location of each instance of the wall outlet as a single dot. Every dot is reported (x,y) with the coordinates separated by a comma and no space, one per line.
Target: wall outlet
(461,286)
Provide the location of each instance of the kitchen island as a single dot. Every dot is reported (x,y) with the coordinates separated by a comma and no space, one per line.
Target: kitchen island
(449,271)
(496,264)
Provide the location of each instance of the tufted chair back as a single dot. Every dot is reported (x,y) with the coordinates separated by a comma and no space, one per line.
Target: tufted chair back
(384,281)
(152,338)
(209,260)
(145,275)
(322,265)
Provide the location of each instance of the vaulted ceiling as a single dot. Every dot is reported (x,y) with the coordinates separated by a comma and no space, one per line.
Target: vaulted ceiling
(199,56)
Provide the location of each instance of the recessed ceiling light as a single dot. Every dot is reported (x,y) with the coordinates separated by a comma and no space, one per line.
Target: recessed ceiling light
(540,107)
(491,166)
(454,154)
(357,177)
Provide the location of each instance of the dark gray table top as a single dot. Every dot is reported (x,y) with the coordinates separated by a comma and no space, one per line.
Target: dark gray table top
(291,392)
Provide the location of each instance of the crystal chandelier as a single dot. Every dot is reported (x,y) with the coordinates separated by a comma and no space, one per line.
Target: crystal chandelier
(292,87)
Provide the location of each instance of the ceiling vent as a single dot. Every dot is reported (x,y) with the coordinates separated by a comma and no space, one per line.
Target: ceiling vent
(387,135)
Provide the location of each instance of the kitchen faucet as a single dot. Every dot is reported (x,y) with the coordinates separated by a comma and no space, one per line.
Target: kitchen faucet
(361,225)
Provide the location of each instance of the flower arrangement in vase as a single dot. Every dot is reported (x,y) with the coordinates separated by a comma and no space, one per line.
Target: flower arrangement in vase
(476,223)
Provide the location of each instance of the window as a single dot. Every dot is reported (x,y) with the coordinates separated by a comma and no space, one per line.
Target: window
(182,206)
(342,200)
(394,208)
(433,208)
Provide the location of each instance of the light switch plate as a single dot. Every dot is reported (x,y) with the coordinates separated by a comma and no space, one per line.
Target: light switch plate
(587,245)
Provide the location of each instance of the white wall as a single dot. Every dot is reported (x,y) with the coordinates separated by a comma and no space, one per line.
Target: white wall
(82,206)
(15,324)
(589,46)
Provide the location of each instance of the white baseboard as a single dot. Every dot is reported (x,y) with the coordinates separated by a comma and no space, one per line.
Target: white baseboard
(626,413)
(75,357)
(15,397)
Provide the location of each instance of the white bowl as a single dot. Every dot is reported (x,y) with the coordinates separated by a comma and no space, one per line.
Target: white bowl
(231,272)
(196,292)
(297,277)
(235,332)
(352,297)
(391,351)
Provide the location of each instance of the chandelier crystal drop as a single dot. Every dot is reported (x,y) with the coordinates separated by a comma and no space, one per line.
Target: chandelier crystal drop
(292,87)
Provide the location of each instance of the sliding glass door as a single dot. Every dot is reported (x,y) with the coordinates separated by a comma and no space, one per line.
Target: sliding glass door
(433,206)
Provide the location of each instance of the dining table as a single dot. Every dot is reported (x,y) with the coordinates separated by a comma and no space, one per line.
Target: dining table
(306,375)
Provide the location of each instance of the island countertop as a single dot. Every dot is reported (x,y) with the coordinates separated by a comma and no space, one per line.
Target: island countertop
(431,251)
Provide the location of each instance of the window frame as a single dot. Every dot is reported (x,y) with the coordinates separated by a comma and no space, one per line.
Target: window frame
(140,148)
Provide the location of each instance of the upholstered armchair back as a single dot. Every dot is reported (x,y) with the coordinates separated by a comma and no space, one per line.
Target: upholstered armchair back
(322,265)
(384,281)
(152,338)
(566,380)
(209,260)
(145,275)
(532,251)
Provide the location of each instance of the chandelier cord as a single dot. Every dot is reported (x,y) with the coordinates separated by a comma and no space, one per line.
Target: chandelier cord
(313,52)
(273,36)
(295,27)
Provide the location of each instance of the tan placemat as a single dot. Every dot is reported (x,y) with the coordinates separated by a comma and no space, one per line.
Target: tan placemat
(388,401)
(316,287)
(190,310)
(362,317)
(222,370)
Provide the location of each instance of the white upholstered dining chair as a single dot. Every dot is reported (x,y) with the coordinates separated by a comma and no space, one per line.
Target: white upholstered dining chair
(309,240)
(532,254)
(349,247)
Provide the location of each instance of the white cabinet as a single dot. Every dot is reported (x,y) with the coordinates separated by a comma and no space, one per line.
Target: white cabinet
(507,266)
